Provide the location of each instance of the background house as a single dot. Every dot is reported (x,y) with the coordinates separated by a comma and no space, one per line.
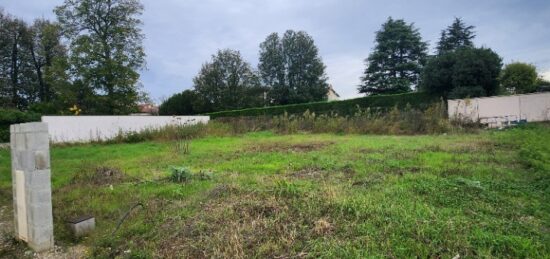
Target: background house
(148,108)
(332,95)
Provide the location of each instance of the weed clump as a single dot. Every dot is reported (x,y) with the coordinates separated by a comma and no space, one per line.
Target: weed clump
(182,174)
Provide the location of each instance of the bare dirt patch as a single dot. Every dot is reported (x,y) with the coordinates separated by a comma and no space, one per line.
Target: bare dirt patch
(287,147)
(100,175)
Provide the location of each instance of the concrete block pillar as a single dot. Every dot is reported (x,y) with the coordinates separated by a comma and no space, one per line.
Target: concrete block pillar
(32,195)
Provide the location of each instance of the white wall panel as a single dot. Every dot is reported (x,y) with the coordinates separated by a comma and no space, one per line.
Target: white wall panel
(499,110)
(88,128)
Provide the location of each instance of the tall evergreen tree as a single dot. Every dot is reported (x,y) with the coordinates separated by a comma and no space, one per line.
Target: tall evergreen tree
(457,35)
(106,51)
(292,68)
(228,82)
(395,64)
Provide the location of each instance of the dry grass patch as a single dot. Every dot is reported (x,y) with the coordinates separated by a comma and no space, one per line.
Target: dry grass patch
(288,147)
(243,223)
(99,176)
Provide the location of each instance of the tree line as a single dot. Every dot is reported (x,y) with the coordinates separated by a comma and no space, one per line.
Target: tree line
(89,57)
(291,71)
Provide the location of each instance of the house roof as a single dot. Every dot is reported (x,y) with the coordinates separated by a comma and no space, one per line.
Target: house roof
(330,89)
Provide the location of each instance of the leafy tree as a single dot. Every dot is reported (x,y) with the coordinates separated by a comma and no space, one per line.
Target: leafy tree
(519,78)
(228,82)
(16,72)
(456,36)
(291,67)
(465,72)
(184,103)
(543,85)
(105,52)
(48,57)
(395,64)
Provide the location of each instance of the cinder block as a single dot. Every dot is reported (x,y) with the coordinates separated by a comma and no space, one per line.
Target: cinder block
(25,160)
(20,142)
(41,238)
(39,197)
(33,127)
(38,180)
(41,160)
(37,140)
(82,226)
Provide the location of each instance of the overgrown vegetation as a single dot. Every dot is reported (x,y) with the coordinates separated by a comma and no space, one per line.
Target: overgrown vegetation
(307,195)
(396,121)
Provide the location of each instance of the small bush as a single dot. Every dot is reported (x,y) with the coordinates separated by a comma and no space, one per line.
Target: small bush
(180,174)
(183,174)
(204,175)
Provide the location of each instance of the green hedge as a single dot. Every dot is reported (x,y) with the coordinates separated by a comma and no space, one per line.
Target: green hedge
(345,107)
(8,117)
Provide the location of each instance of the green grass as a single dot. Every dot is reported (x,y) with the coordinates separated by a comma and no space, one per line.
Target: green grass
(310,195)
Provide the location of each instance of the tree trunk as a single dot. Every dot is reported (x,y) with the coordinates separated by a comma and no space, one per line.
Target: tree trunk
(38,67)
(14,72)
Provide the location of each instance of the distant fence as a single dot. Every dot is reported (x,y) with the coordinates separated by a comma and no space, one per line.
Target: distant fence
(501,111)
(89,128)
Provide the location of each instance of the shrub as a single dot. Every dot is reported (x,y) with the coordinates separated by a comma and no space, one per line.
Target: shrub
(204,175)
(519,78)
(180,174)
(184,103)
(345,107)
(9,117)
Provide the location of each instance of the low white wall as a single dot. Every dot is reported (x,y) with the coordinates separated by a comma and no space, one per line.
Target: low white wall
(501,110)
(87,128)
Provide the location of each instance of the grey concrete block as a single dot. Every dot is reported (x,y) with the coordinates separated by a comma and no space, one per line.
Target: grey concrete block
(25,160)
(37,141)
(82,226)
(41,238)
(38,180)
(20,142)
(32,127)
(41,160)
(40,197)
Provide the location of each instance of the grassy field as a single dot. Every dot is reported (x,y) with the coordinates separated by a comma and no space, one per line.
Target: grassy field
(307,195)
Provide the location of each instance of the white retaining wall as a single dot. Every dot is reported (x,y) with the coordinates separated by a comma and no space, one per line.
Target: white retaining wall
(88,128)
(499,111)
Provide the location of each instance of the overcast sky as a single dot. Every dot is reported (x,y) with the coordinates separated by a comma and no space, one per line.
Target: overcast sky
(182,34)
